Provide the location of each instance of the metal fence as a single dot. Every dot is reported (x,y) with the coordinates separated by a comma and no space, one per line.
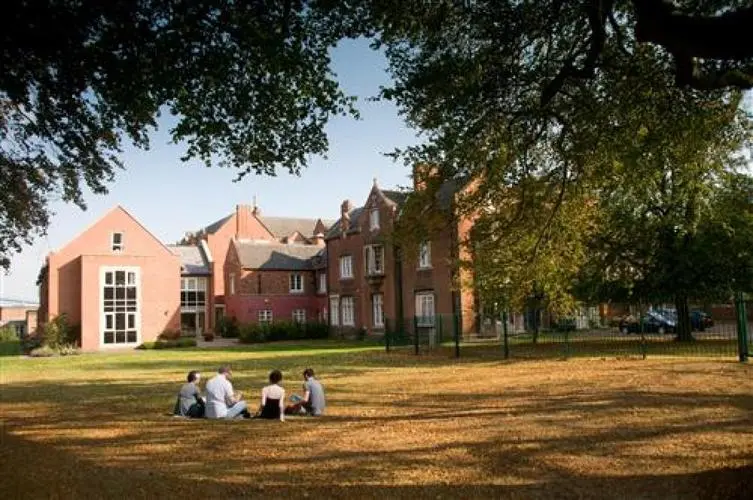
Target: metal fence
(640,332)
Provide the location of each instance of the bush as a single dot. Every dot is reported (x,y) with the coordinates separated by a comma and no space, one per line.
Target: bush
(317,330)
(58,332)
(169,344)
(253,333)
(69,350)
(565,325)
(42,352)
(228,328)
(8,334)
(169,335)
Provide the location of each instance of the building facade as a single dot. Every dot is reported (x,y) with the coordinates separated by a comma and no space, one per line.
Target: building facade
(121,286)
(375,285)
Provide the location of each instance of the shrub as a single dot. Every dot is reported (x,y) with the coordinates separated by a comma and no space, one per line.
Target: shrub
(317,330)
(169,344)
(42,352)
(252,333)
(69,350)
(8,334)
(228,328)
(169,335)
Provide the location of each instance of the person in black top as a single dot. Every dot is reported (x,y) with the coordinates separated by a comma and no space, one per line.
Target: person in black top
(273,399)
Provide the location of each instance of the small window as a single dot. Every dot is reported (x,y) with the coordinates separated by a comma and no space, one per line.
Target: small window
(296,283)
(323,283)
(374,259)
(346,267)
(232,283)
(425,309)
(377,309)
(424,255)
(348,311)
(334,310)
(299,315)
(265,316)
(374,219)
(117,242)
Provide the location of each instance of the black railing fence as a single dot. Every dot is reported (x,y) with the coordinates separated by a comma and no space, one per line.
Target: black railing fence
(718,330)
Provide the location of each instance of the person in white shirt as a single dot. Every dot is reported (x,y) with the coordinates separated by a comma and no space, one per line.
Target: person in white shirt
(222,401)
(273,399)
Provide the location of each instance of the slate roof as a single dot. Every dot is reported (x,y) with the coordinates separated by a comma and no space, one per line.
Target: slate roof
(278,226)
(285,226)
(192,259)
(445,195)
(215,226)
(277,256)
(334,230)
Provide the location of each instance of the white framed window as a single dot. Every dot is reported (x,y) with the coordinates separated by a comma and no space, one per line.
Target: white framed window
(116,241)
(374,256)
(374,219)
(120,317)
(265,316)
(232,283)
(193,294)
(346,266)
(425,308)
(296,283)
(334,310)
(424,255)
(299,315)
(348,311)
(377,310)
(323,283)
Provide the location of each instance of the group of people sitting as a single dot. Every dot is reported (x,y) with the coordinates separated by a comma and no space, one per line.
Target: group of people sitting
(222,401)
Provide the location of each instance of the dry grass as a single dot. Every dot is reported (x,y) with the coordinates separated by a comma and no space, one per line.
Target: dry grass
(397,426)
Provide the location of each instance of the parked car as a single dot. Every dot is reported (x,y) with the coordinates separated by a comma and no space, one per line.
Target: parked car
(653,322)
(699,320)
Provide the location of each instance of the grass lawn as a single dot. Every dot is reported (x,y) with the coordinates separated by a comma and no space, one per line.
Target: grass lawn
(397,426)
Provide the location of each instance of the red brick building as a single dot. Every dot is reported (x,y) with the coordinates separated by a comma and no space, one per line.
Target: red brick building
(373,285)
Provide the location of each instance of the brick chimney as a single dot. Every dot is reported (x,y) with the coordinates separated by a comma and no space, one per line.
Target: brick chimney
(421,175)
(345,209)
(256,210)
(242,213)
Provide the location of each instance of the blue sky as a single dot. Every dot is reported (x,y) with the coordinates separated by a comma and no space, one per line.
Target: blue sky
(170,197)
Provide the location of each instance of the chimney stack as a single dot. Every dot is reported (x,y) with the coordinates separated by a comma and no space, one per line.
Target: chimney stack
(345,209)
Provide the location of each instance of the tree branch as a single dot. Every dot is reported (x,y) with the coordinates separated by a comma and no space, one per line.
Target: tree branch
(724,37)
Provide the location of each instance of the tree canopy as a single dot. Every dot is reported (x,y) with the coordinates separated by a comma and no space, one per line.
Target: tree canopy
(493,84)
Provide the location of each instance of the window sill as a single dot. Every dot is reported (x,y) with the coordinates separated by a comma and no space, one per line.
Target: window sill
(296,292)
(346,278)
(426,268)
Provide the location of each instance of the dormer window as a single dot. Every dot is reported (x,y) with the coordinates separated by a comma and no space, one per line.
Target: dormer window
(374,219)
(117,242)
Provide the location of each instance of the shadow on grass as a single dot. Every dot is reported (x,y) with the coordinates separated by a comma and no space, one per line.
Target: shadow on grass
(154,456)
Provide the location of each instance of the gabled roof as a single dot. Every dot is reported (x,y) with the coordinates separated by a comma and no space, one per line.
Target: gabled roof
(281,227)
(276,256)
(216,225)
(398,197)
(192,259)
(445,196)
(334,230)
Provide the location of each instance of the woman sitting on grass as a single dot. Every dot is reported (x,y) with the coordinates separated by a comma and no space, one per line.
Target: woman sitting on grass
(190,403)
(273,398)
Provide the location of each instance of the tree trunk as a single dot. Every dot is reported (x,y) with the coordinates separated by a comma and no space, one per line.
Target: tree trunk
(684,328)
(536,325)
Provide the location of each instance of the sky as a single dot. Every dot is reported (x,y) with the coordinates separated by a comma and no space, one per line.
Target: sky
(171,197)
